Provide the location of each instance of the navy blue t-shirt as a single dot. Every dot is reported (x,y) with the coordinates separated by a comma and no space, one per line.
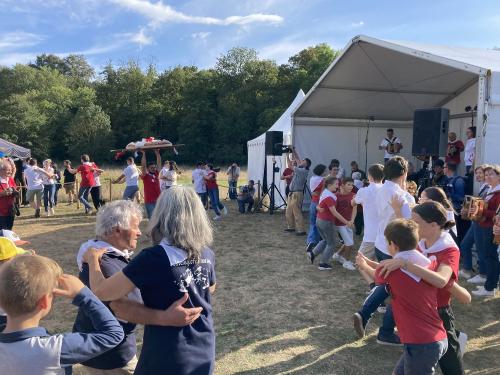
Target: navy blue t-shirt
(163,275)
(119,356)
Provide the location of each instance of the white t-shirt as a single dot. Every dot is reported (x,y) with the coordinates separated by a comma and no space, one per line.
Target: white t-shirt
(470,148)
(46,179)
(367,197)
(386,213)
(33,178)
(385,142)
(198,176)
(131,175)
(172,175)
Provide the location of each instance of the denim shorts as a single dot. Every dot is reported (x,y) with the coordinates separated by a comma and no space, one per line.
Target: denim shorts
(130,191)
(347,234)
(420,359)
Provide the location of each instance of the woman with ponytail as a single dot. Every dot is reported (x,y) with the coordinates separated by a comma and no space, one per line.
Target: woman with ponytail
(436,241)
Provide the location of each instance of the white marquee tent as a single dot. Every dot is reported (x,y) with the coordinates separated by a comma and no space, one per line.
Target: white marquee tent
(389,80)
(256,150)
(11,149)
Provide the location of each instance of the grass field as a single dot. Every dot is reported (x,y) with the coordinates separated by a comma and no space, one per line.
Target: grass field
(274,312)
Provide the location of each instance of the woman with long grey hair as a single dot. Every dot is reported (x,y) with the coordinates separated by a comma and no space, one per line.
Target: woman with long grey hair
(180,262)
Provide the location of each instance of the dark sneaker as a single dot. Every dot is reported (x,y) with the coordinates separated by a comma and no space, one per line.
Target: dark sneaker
(324,267)
(310,246)
(359,325)
(301,233)
(37,212)
(390,340)
(289,230)
(311,256)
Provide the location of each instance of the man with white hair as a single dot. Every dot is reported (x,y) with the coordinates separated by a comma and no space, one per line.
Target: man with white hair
(117,230)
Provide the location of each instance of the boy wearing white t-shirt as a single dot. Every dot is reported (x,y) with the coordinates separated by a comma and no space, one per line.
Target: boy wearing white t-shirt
(367,197)
(198,180)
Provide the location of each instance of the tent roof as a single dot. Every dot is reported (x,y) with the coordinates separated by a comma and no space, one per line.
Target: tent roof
(11,149)
(284,123)
(389,80)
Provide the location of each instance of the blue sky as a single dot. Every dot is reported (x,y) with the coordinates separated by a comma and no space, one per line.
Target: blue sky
(196,32)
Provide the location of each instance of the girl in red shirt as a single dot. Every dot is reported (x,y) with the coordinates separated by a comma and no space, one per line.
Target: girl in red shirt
(436,242)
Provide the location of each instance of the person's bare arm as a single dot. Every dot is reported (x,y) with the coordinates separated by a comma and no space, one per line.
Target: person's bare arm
(354,213)
(119,180)
(158,159)
(174,316)
(364,266)
(144,170)
(71,170)
(460,293)
(295,155)
(335,213)
(438,278)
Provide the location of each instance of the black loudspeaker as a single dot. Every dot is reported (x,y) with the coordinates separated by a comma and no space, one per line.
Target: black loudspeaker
(430,132)
(274,141)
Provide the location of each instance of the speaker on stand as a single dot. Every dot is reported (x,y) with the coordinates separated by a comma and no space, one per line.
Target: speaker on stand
(273,147)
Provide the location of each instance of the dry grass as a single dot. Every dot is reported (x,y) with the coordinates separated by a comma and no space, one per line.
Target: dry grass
(274,312)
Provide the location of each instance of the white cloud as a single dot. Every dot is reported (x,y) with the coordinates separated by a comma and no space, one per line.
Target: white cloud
(201,35)
(141,38)
(9,59)
(159,13)
(19,39)
(357,24)
(283,50)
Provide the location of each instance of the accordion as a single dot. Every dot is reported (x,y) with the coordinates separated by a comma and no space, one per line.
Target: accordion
(452,150)
(473,202)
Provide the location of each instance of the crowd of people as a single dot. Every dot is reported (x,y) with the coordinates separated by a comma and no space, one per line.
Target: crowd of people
(418,236)
(417,241)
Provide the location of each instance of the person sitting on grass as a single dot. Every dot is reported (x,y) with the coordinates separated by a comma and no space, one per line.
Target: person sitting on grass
(117,231)
(28,284)
(346,207)
(414,301)
(246,196)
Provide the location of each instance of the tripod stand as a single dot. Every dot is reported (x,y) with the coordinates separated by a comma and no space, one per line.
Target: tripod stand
(271,190)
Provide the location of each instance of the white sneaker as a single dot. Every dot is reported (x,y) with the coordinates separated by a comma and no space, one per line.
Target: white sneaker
(336,257)
(462,341)
(348,265)
(478,279)
(465,274)
(216,218)
(481,292)
(52,212)
(47,213)
(224,210)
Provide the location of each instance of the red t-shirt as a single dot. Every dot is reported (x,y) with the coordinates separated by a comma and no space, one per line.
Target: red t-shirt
(87,173)
(151,187)
(493,200)
(455,156)
(288,174)
(451,257)
(212,184)
(326,204)
(344,207)
(316,193)
(414,307)
(6,201)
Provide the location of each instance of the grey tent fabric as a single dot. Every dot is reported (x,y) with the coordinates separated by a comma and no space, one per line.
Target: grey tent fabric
(11,149)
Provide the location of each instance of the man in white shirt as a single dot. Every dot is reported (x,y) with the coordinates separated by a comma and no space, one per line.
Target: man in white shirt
(198,180)
(470,149)
(34,183)
(391,145)
(131,176)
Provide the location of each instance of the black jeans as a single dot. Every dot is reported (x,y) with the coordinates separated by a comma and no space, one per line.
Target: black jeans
(451,362)
(95,193)
(7,222)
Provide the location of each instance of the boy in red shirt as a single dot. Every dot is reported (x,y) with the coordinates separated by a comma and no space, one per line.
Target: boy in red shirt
(414,301)
(86,170)
(149,177)
(346,208)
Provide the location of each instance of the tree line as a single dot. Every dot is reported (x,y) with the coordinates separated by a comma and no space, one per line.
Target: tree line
(61,108)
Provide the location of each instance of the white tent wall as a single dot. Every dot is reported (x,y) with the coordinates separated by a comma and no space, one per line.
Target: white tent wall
(257,156)
(491,142)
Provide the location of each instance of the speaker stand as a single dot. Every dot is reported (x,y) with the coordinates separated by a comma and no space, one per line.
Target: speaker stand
(271,190)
